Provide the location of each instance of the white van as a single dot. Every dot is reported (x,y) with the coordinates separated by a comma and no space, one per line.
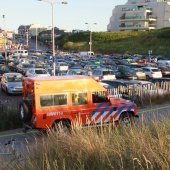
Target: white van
(23,53)
(86,53)
(165,63)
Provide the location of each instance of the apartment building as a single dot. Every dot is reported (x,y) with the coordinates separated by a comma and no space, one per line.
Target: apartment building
(140,15)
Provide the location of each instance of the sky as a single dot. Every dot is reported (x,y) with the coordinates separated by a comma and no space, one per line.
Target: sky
(74,15)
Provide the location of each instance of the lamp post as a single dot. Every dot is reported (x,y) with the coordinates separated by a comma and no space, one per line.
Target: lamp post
(90,42)
(52,3)
(36,45)
(5,51)
(27,38)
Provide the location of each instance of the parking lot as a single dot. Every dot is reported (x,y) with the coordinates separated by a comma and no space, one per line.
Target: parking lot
(9,102)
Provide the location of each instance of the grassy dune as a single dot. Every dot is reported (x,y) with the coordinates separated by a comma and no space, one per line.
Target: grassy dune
(121,42)
(147,146)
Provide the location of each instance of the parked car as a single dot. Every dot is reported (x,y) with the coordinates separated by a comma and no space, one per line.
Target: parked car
(11,83)
(165,63)
(23,68)
(37,72)
(103,74)
(90,68)
(117,83)
(61,66)
(152,72)
(165,71)
(3,69)
(75,71)
(125,72)
(2,60)
(140,73)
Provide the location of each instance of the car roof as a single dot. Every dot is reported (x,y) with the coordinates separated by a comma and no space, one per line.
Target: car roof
(121,81)
(12,74)
(103,69)
(150,67)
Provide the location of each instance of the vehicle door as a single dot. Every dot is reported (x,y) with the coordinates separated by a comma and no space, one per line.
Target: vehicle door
(102,111)
(80,107)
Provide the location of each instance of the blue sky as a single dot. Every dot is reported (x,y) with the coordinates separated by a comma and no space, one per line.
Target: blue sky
(74,15)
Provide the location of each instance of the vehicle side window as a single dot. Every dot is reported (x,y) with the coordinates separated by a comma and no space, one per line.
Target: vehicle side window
(60,100)
(99,97)
(53,100)
(79,98)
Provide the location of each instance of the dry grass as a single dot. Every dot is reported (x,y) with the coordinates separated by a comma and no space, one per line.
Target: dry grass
(146,146)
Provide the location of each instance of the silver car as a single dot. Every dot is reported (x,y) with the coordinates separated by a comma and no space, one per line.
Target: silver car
(11,83)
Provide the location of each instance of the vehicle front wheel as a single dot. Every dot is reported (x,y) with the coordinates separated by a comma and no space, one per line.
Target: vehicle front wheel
(126,119)
(6,90)
(147,78)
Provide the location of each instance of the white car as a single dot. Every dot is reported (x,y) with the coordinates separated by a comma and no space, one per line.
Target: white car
(37,72)
(152,72)
(103,74)
(11,83)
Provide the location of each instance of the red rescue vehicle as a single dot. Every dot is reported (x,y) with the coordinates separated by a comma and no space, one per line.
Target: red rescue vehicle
(51,100)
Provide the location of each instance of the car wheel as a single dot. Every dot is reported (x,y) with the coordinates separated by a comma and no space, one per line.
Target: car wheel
(2,88)
(126,119)
(25,112)
(147,78)
(6,90)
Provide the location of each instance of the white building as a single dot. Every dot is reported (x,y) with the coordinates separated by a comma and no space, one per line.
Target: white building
(141,15)
(35,29)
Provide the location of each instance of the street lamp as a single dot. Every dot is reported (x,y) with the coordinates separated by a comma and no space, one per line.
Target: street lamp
(36,34)
(5,50)
(90,42)
(52,3)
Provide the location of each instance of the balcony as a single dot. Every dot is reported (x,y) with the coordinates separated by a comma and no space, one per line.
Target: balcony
(137,18)
(137,27)
(149,10)
(141,9)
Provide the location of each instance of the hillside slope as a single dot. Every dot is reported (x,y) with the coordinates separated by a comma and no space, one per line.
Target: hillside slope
(122,42)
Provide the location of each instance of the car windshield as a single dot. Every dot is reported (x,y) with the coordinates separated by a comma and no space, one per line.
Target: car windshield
(14,78)
(129,71)
(155,70)
(27,65)
(138,69)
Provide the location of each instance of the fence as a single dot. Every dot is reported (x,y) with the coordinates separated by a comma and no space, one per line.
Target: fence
(151,92)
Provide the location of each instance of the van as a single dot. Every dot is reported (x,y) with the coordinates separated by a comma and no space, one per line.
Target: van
(23,53)
(48,101)
(86,53)
(165,63)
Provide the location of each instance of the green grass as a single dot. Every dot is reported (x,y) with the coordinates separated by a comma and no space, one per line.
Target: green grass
(119,42)
(146,146)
